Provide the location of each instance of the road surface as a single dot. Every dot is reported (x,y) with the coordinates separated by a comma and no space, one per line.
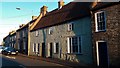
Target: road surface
(24,62)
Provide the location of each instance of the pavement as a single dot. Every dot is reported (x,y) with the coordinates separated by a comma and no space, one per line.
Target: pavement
(54,60)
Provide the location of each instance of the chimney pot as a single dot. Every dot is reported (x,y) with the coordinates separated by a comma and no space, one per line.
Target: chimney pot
(34,17)
(20,26)
(44,10)
(60,4)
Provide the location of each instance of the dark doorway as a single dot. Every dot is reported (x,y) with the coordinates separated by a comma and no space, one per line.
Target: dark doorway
(102,54)
(43,49)
(38,49)
(51,50)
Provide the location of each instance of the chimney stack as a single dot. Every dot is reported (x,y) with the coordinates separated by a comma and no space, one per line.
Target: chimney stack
(44,10)
(95,3)
(20,26)
(34,17)
(60,4)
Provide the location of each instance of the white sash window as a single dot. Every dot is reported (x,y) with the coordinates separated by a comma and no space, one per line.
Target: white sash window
(70,27)
(100,21)
(56,47)
(36,33)
(74,45)
(34,47)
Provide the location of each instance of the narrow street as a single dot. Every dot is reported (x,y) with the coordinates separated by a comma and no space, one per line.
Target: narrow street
(24,62)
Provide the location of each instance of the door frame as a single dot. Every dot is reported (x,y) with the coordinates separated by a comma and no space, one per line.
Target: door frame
(50,48)
(97,53)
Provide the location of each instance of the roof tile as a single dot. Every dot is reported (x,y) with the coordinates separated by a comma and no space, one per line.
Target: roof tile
(68,12)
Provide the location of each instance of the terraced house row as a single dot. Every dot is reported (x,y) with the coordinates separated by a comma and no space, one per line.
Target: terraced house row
(83,32)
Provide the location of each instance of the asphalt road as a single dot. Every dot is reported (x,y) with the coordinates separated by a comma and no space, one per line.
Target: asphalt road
(7,63)
(24,62)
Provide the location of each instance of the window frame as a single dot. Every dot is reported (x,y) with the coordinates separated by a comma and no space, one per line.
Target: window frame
(18,46)
(70,45)
(34,47)
(23,33)
(36,33)
(24,45)
(70,26)
(96,22)
(97,50)
(50,30)
(56,51)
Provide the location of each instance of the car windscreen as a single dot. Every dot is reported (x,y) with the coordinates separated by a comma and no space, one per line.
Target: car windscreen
(10,49)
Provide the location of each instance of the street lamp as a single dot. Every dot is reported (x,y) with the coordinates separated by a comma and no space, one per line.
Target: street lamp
(18,8)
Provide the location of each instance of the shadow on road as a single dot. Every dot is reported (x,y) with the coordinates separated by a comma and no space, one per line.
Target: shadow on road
(7,63)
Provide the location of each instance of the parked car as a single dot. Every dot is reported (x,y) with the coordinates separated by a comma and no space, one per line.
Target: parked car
(1,48)
(9,51)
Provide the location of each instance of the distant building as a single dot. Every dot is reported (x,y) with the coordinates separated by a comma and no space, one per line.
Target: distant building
(12,37)
(32,38)
(22,34)
(6,40)
(22,37)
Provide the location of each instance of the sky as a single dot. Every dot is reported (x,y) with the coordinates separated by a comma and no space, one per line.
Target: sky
(11,18)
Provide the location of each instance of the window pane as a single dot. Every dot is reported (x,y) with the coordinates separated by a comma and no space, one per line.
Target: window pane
(103,25)
(38,47)
(34,47)
(103,22)
(75,49)
(98,24)
(100,21)
(70,39)
(70,26)
(75,41)
(75,45)
(79,46)
(98,17)
(103,16)
(54,47)
(100,28)
(68,45)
